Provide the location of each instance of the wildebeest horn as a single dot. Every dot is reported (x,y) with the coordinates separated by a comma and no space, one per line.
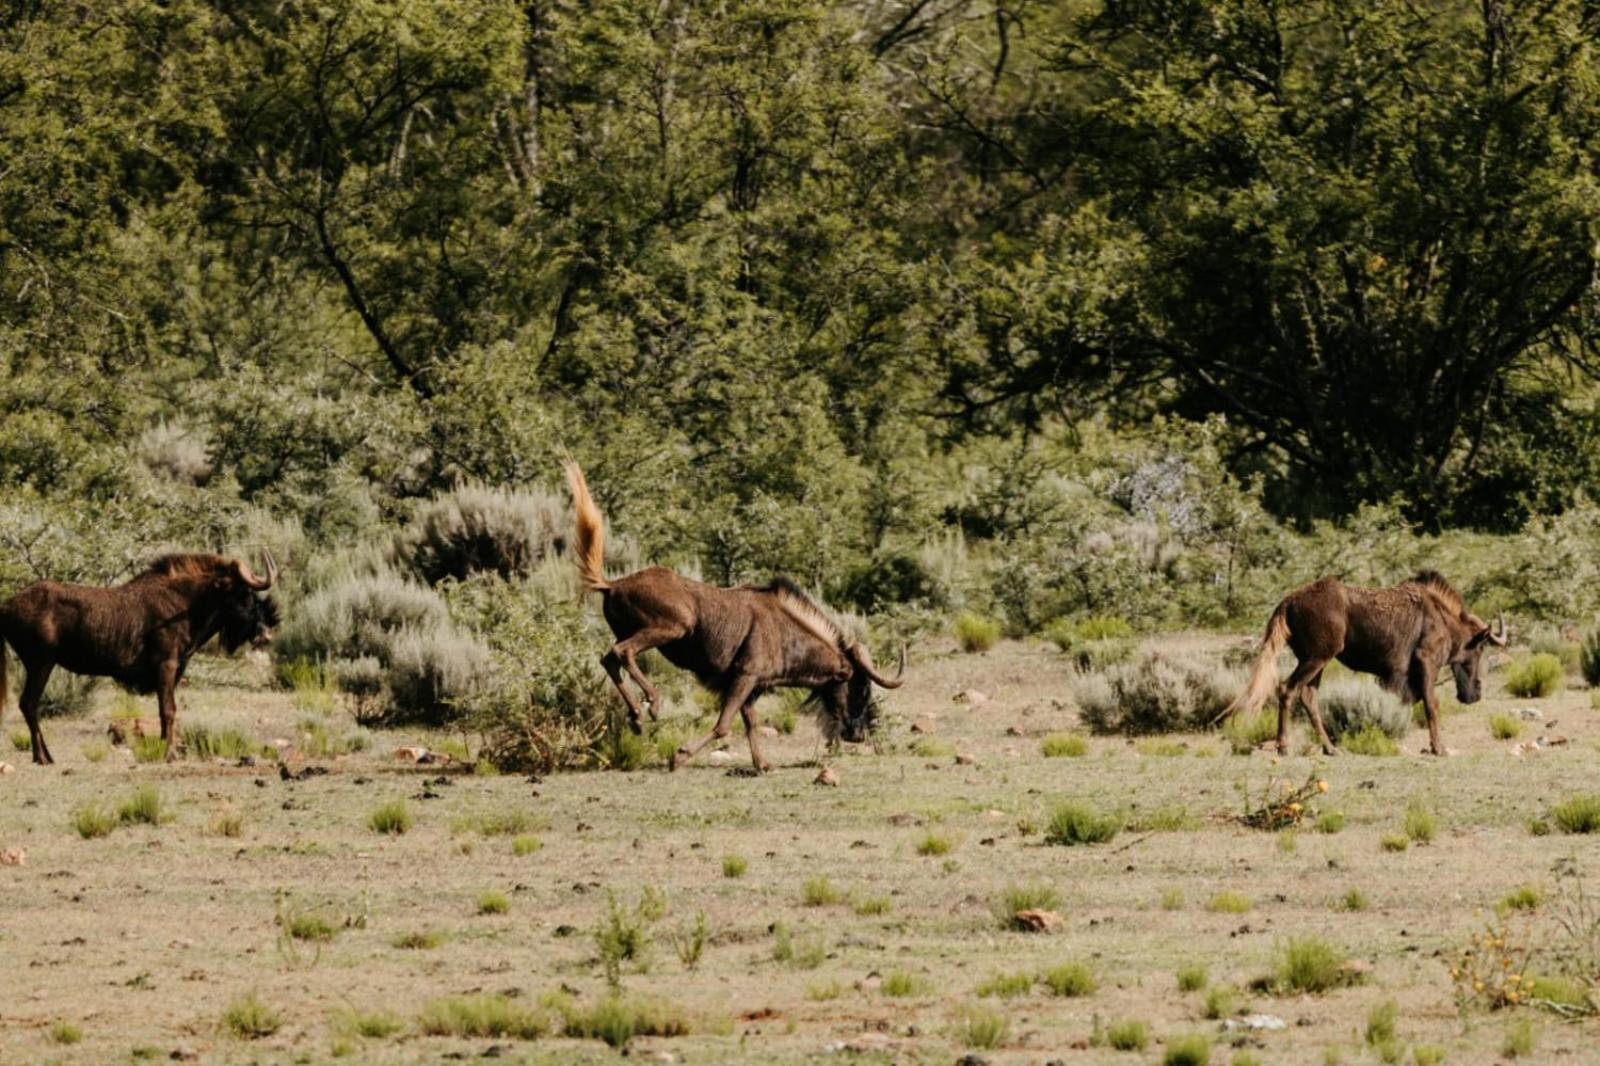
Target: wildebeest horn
(863,659)
(260,584)
(1498,636)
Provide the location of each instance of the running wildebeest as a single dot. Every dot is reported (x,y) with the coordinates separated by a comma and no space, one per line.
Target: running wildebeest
(740,642)
(141,633)
(1403,635)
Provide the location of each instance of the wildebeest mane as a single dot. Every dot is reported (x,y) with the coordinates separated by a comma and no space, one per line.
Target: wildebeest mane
(185,564)
(1435,583)
(804,610)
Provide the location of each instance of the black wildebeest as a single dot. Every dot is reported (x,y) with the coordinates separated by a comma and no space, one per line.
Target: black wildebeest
(141,633)
(741,642)
(1402,635)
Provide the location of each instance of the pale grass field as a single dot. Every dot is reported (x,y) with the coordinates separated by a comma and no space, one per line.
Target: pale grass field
(143,937)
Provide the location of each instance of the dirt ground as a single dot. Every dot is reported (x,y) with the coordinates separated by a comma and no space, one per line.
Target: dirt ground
(142,938)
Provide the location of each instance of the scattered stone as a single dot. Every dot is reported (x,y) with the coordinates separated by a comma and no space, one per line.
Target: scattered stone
(904,818)
(7,768)
(13,857)
(1530,714)
(495,1051)
(184,1053)
(1014,731)
(966,759)
(1255,1022)
(436,758)
(1040,921)
(766,731)
(971,1059)
(719,758)
(971,697)
(829,776)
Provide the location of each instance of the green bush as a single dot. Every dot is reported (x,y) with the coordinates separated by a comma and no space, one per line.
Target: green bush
(478,529)
(1311,964)
(1069,980)
(1076,823)
(390,818)
(1578,814)
(978,1027)
(141,808)
(1504,726)
(1352,704)
(1064,745)
(1164,692)
(250,1019)
(1018,898)
(615,1020)
(1534,678)
(1130,1035)
(1589,657)
(1191,1050)
(1193,977)
(975,633)
(1370,740)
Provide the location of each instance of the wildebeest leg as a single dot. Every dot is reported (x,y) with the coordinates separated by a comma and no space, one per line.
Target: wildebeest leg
(624,653)
(32,692)
(1308,696)
(742,689)
(1430,703)
(1294,690)
(748,711)
(613,664)
(166,681)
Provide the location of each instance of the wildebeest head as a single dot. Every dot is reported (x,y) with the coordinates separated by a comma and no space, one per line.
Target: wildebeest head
(1467,662)
(850,710)
(249,615)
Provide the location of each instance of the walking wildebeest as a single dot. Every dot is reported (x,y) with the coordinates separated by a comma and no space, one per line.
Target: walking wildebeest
(141,633)
(741,642)
(1403,635)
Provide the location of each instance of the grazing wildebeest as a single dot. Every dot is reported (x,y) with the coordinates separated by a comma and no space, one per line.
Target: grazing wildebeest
(1403,635)
(741,642)
(141,633)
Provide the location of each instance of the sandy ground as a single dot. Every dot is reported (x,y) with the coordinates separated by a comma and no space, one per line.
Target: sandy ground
(142,938)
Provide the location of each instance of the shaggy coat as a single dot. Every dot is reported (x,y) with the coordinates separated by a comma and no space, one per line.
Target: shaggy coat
(1402,635)
(740,642)
(141,634)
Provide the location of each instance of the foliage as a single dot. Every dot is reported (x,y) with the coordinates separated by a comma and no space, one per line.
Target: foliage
(390,818)
(1128,1035)
(623,935)
(1162,693)
(1370,740)
(1193,1049)
(1504,726)
(1078,823)
(1589,657)
(1351,704)
(1193,977)
(1064,745)
(248,1018)
(1535,677)
(1578,814)
(1069,979)
(1018,898)
(980,1027)
(478,529)
(483,1015)
(975,633)
(1311,964)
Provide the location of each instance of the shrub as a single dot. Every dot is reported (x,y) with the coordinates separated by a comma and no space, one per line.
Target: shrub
(1549,641)
(493,903)
(1163,692)
(1522,898)
(1070,979)
(91,821)
(429,673)
(1229,902)
(819,892)
(1310,964)
(1504,726)
(1094,643)
(734,866)
(1064,745)
(1370,740)
(1381,1023)
(65,1033)
(1220,1001)
(1075,823)
(482,1016)
(1191,978)
(477,529)
(1018,898)
(250,1019)
(391,818)
(141,808)
(978,1027)
(893,578)
(374,1025)
(616,1020)
(1247,732)
(1589,657)
(1562,993)
(1191,1050)
(1353,900)
(901,983)
(1130,1035)
(1420,823)
(623,935)
(873,906)
(975,633)
(1351,704)
(306,925)
(176,452)
(1535,677)
(935,843)
(1578,814)
(1394,842)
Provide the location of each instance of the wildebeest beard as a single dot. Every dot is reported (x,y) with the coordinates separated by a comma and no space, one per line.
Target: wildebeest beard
(248,620)
(847,710)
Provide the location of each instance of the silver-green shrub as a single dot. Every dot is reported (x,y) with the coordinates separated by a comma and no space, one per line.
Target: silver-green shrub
(1350,704)
(1161,692)
(477,529)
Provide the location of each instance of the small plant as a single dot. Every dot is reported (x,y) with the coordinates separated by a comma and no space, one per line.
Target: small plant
(1394,842)
(1129,1035)
(1192,978)
(1247,732)
(1369,740)
(1017,899)
(808,954)
(1353,900)
(1064,746)
(624,935)
(873,906)
(1279,804)
(1420,823)
(975,633)
(482,1016)
(417,940)
(21,740)
(374,1025)
(492,902)
(1351,704)
(1069,980)
(91,821)
(1519,1040)
(202,741)
(1191,1050)
(1330,822)
(1535,677)
(148,748)
(391,818)
(1229,902)
(141,808)
(1311,964)
(65,1033)
(691,943)
(1504,726)
(819,892)
(227,823)
(1221,1001)
(309,925)
(1381,1023)
(1522,898)
(96,751)
(934,843)
(525,844)
(250,1019)
(979,1027)
(1076,823)
(826,991)
(1157,748)
(616,1020)
(1172,899)
(1492,970)
(1427,1054)
(734,866)
(1578,814)
(1005,985)
(932,748)
(1563,995)
(901,983)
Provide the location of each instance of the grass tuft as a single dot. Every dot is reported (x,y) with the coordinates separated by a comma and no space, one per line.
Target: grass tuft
(974,633)
(1353,900)
(1064,746)
(1311,964)
(901,983)
(141,808)
(1522,898)
(1129,1035)
(417,940)
(1504,726)
(1578,814)
(482,1016)
(92,820)
(615,1020)
(1369,740)
(1229,902)
(734,866)
(935,843)
(492,902)
(1535,677)
(1076,823)
(1018,898)
(391,818)
(1005,985)
(1191,1050)
(65,1033)
(1420,823)
(1192,978)
(980,1027)
(250,1019)
(1069,980)
(1519,1039)
(819,892)
(525,844)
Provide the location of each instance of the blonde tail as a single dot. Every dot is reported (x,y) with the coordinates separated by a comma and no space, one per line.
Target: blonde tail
(590,553)
(1264,675)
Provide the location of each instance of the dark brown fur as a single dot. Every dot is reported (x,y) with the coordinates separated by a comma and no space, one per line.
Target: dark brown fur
(141,633)
(740,642)
(1402,635)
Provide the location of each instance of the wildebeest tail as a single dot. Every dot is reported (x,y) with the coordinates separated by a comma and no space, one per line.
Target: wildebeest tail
(1264,674)
(590,549)
(5,660)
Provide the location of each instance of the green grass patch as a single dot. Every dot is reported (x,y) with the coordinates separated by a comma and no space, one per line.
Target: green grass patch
(974,633)
(1171,899)
(1394,842)
(1128,1035)
(1018,898)
(1381,1022)
(1330,822)
(525,844)
(1504,726)
(1064,746)
(872,906)
(1193,1049)
(141,808)
(820,892)
(1519,1039)
(65,1033)
(203,741)
(482,1016)
(935,843)
(417,940)
(1247,732)
(390,818)
(1578,814)
(1524,897)
(932,748)
(734,866)
(1221,1001)
(1229,902)
(1369,740)
(1192,978)
(1353,900)
(1069,980)
(1420,823)
(1535,677)
(1005,985)
(617,1019)
(899,984)
(1311,964)
(92,820)
(980,1027)
(1072,824)
(151,748)
(248,1018)
(373,1025)
(492,902)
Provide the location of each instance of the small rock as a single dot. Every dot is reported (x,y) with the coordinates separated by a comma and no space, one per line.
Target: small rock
(923,725)
(971,1059)
(1255,1022)
(1530,714)
(1013,731)
(13,857)
(719,758)
(965,759)
(972,697)
(904,818)
(7,768)
(766,731)
(829,776)
(183,1053)
(1040,921)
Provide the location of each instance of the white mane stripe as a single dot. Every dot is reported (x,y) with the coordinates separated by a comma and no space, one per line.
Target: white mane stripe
(809,616)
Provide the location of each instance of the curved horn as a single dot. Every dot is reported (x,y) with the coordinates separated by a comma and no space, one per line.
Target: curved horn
(863,659)
(1498,635)
(260,584)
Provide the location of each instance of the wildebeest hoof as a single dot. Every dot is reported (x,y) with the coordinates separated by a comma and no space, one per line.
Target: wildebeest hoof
(634,726)
(1331,749)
